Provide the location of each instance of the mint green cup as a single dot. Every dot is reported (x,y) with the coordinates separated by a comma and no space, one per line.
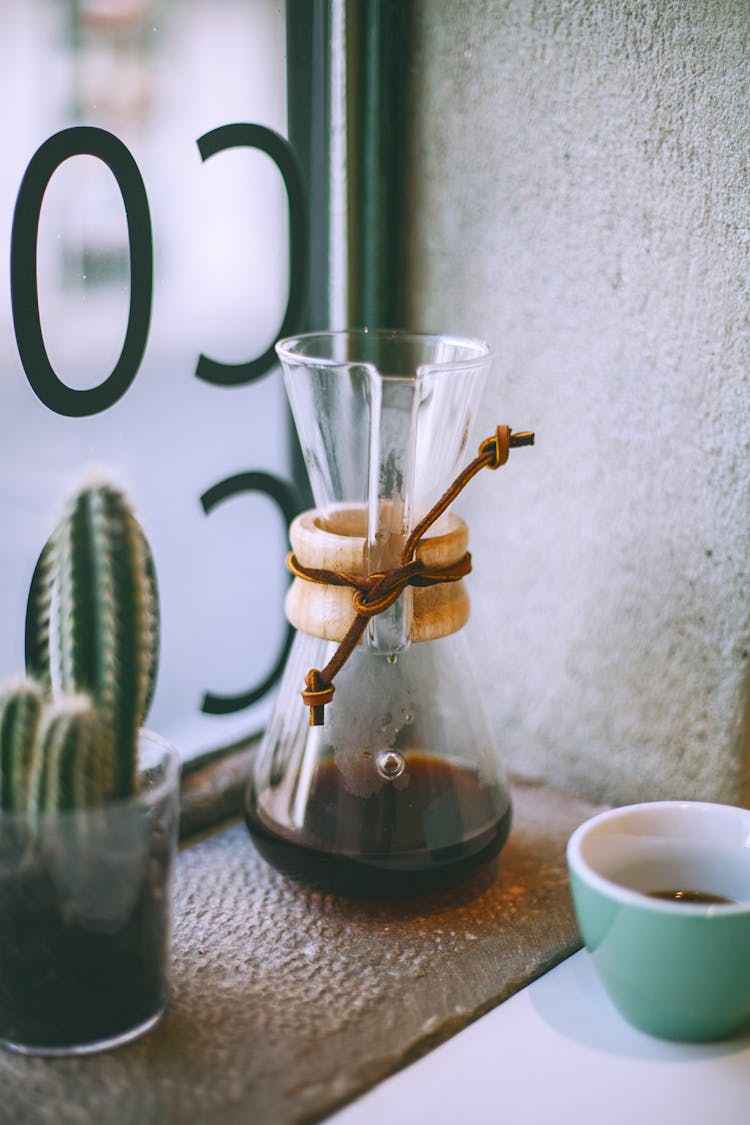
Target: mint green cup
(675,968)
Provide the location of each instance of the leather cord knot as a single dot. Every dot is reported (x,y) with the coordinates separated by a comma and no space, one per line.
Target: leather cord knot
(497,447)
(315,696)
(375,593)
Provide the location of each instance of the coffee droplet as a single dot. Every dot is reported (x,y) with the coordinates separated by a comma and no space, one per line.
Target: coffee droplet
(696,898)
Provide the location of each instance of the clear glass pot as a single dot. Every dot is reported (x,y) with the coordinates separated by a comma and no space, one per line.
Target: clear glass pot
(400,790)
(85,916)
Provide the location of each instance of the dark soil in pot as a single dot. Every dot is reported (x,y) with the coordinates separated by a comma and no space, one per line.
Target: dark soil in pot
(69,977)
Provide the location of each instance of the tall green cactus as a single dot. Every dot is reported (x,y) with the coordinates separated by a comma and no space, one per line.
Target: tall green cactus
(105,636)
(92,642)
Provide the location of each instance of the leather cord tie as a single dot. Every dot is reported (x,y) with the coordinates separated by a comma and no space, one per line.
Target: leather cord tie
(376,592)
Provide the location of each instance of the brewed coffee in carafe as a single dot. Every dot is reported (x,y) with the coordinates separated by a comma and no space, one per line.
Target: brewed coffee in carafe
(386,782)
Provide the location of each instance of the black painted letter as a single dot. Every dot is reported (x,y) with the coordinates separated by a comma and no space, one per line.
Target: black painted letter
(283,495)
(78,141)
(258,136)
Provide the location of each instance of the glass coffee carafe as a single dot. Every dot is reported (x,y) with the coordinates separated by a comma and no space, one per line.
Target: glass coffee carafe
(389,782)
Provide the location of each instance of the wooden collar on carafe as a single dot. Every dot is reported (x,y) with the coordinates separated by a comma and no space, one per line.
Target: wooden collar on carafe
(375,593)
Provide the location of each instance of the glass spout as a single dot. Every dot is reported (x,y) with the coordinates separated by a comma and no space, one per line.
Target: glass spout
(393,433)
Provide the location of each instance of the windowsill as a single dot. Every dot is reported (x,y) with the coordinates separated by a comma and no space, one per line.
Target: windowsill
(287,1004)
(213,792)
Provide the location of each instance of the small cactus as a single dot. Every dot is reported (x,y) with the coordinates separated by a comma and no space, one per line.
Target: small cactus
(76,759)
(92,642)
(21,708)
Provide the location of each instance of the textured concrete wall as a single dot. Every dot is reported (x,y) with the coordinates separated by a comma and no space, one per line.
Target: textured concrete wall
(581,199)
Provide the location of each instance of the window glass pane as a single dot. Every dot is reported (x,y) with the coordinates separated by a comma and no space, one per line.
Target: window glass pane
(157,75)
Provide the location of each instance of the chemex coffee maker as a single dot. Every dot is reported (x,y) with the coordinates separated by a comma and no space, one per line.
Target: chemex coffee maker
(378,773)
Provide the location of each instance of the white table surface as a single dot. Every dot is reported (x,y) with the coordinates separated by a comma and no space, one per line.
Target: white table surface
(559,1052)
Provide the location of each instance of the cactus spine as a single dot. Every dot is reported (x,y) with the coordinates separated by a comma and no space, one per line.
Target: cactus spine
(92,641)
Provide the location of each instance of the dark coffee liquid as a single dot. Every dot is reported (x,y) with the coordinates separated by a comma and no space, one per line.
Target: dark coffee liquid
(698,898)
(423,833)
